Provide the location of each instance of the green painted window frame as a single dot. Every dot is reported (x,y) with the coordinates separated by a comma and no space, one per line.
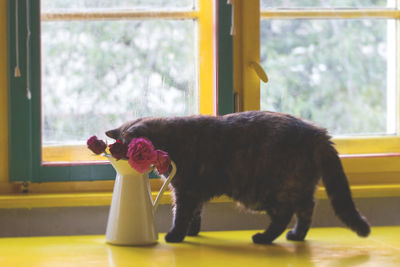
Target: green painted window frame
(25,115)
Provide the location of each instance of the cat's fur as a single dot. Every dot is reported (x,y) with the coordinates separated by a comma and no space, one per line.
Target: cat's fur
(267,161)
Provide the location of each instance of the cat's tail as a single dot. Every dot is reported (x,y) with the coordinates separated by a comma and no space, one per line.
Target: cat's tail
(338,190)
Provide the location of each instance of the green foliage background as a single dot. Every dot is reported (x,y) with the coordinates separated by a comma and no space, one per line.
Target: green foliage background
(332,72)
(97,75)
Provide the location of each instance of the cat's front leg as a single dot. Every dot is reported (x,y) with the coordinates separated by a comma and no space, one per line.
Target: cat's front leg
(194,226)
(185,208)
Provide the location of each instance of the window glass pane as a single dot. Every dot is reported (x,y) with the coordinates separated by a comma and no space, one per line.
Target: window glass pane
(337,73)
(99,74)
(327,3)
(86,5)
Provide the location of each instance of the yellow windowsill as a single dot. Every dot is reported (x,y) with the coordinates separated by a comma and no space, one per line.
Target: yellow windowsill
(31,200)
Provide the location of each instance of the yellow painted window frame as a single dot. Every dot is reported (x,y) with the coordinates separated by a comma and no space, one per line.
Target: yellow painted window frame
(366,160)
(204,16)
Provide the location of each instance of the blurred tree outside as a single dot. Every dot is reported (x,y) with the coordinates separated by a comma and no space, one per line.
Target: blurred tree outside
(99,74)
(335,72)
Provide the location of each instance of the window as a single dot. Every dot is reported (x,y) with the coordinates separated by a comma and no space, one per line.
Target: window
(331,62)
(88,66)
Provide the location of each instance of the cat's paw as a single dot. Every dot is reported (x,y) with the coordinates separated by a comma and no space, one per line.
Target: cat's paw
(194,228)
(174,237)
(363,229)
(293,236)
(193,232)
(261,239)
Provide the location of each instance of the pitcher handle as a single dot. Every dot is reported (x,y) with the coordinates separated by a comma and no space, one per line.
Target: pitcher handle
(164,186)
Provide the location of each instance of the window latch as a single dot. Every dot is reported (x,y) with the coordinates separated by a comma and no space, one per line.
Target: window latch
(259,71)
(233,29)
(17,71)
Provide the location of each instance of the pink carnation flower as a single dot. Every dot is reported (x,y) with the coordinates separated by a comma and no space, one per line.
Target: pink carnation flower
(118,150)
(163,161)
(96,145)
(141,154)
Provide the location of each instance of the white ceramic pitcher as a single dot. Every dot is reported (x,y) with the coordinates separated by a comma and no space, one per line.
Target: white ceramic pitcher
(131,216)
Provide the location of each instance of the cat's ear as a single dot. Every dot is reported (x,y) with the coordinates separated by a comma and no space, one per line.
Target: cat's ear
(136,130)
(131,132)
(114,134)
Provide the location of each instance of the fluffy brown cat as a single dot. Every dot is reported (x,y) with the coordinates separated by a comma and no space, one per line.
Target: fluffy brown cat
(267,161)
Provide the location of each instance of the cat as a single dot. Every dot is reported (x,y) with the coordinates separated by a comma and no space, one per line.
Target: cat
(267,161)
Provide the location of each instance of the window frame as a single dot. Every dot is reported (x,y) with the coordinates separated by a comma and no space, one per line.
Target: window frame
(366,160)
(25,158)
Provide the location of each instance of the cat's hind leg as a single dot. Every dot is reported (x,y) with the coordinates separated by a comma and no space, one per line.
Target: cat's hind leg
(304,218)
(194,227)
(185,208)
(280,218)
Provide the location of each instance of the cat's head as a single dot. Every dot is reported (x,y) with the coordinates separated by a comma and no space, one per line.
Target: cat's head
(127,131)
